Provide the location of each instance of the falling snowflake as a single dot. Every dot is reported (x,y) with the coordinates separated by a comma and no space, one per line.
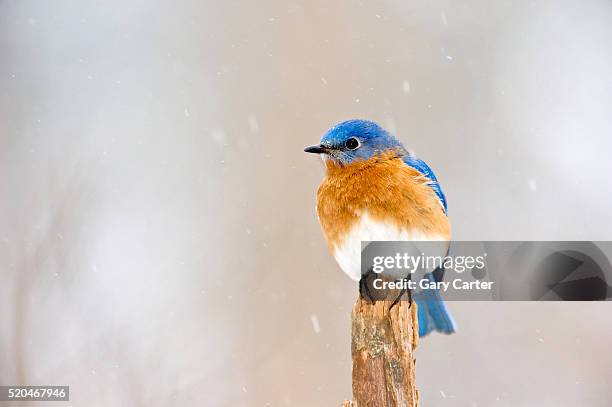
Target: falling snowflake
(315,323)
(218,136)
(253,124)
(443,18)
(532,184)
(406,86)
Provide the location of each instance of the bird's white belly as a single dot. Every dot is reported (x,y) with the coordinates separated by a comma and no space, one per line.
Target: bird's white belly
(348,253)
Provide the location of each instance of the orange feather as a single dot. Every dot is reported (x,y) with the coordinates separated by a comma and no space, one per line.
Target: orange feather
(384,186)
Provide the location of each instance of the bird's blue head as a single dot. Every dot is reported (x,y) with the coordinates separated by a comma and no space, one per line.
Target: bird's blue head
(355,140)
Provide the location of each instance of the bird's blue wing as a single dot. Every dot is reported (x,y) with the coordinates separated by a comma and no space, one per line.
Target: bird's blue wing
(432,312)
(424,169)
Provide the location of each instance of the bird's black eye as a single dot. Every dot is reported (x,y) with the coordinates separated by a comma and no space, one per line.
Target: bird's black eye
(352,143)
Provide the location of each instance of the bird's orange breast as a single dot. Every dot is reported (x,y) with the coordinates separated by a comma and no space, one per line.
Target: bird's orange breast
(387,190)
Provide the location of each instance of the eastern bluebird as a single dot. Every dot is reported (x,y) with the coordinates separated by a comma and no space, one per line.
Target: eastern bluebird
(374,190)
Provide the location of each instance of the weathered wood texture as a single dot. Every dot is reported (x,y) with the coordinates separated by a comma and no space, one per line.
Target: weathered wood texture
(383,341)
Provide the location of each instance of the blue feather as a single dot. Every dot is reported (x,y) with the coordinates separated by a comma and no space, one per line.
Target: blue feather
(432,312)
(424,169)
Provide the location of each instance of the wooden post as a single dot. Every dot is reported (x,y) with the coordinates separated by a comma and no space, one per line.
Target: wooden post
(383,341)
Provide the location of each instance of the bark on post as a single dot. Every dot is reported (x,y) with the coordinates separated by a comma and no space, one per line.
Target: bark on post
(383,341)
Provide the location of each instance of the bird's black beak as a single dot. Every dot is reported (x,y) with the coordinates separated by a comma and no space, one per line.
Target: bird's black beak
(316,149)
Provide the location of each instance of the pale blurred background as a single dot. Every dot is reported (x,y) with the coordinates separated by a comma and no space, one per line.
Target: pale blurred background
(158,240)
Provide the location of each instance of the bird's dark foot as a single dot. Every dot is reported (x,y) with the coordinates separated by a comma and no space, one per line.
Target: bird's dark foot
(399,297)
(364,290)
(409,299)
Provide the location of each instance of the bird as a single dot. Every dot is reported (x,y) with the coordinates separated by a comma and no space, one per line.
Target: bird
(374,189)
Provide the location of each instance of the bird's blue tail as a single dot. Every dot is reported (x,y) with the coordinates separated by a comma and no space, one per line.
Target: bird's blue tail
(433,314)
